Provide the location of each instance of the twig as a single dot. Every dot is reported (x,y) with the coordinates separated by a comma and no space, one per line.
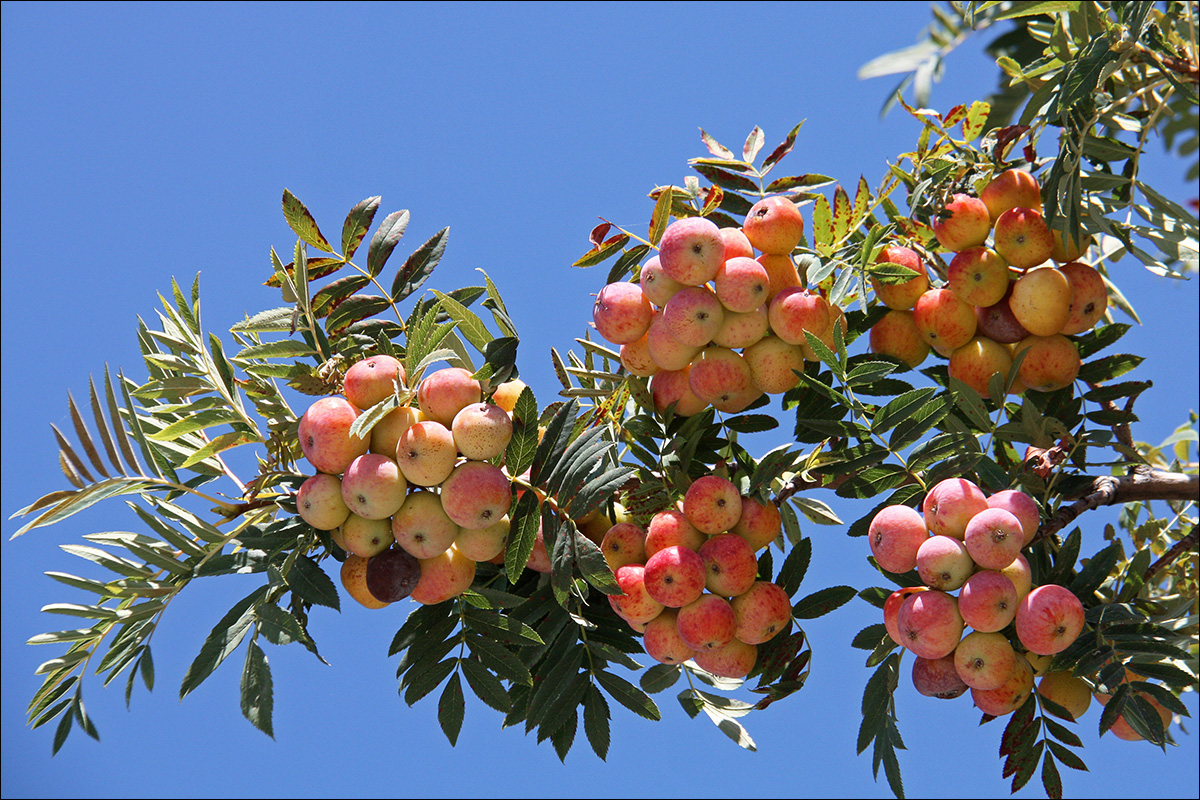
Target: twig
(1107,490)
(1187,543)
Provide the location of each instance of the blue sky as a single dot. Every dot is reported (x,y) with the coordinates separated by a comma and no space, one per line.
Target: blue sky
(145,142)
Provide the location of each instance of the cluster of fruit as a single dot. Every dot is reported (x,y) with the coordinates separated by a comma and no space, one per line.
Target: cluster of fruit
(704,297)
(967,541)
(997,301)
(690,579)
(416,503)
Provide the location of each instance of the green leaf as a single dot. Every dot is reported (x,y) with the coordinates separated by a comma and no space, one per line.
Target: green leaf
(419,265)
(485,685)
(525,520)
(900,408)
(660,677)
(257,696)
(357,223)
(523,444)
(504,629)
(302,223)
(1109,367)
(781,150)
(822,602)
(451,709)
(628,695)
(74,502)
(222,640)
(309,582)
(794,567)
(596,721)
(661,215)
(471,326)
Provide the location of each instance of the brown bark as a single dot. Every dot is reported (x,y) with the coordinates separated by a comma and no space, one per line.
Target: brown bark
(1140,485)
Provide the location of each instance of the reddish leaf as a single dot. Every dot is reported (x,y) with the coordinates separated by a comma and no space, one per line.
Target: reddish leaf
(596,237)
(716,148)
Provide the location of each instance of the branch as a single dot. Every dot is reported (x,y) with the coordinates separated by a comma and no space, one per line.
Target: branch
(1107,490)
(1182,546)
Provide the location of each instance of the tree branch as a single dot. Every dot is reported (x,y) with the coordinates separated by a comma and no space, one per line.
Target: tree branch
(1182,546)
(1107,490)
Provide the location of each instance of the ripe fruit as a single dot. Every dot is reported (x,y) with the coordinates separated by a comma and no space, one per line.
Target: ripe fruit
(1051,363)
(1049,619)
(763,611)
(896,335)
(325,438)
(636,605)
(964,224)
(483,544)
(476,494)
(988,601)
(794,311)
(719,376)
(943,563)
(354,579)
(760,523)
(319,502)
(706,623)
(950,505)
(621,312)
(773,364)
(506,394)
(994,537)
(929,623)
(656,285)
(372,380)
(937,677)
(1041,301)
(730,567)
(979,276)
(774,225)
(1022,238)
(742,284)
(373,486)
(385,434)
(1014,188)
(366,537)
(665,350)
(712,504)
(891,610)
(984,660)
(998,323)
(901,296)
(1022,506)
(1089,297)
(743,329)
(895,535)
(977,361)
(782,271)
(623,543)
(693,316)
(426,453)
(1011,695)
(443,393)
(1066,690)
(422,527)
(481,431)
(392,575)
(662,640)
(674,576)
(735,659)
(691,251)
(944,321)
(444,576)
(669,387)
(736,244)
